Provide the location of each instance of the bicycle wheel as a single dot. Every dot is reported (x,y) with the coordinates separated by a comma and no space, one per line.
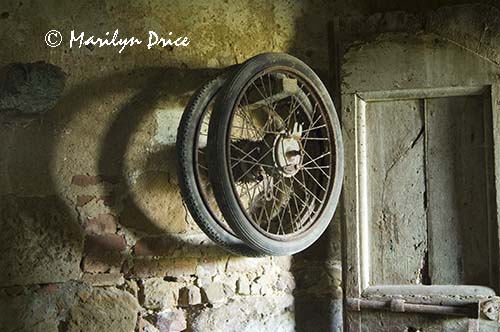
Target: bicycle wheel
(277,155)
(192,170)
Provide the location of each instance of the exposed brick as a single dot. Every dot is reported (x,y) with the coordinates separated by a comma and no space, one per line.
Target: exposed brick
(103,223)
(81,200)
(104,243)
(85,180)
(155,246)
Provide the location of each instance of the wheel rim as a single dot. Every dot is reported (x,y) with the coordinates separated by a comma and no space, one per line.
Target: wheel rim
(281,153)
(201,168)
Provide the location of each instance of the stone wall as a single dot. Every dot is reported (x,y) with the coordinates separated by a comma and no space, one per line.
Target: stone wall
(94,235)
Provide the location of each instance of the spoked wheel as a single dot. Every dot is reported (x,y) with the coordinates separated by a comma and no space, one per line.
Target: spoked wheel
(276,154)
(193,177)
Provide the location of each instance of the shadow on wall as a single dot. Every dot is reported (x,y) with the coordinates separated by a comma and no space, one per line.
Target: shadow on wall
(43,236)
(48,233)
(153,85)
(161,163)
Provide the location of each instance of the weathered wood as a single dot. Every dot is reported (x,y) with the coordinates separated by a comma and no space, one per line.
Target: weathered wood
(399,305)
(456,191)
(350,220)
(406,72)
(494,180)
(435,294)
(396,186)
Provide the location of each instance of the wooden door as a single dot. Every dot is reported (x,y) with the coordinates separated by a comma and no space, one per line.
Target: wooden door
(421,122)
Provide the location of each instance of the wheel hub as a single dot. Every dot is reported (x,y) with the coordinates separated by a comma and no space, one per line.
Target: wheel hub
(288,153)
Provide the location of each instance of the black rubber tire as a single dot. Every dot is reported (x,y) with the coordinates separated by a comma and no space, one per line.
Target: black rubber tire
(187,135)
(219,169)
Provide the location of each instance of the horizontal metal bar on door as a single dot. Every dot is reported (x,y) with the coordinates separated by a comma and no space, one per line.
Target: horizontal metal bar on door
(401,306)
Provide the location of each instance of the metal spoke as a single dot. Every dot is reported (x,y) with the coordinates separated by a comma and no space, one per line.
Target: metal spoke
(315,180)
(243,158)
(248,170)
(317,165)
(253,187)
(251,162)
(248,121)
(309,191)
(313,128)
(315,139)
(241,150)
(292,221)
(288,183)
(314,160)
(263,97)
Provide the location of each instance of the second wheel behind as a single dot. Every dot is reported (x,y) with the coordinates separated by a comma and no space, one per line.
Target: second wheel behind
(193,172)
(276,154)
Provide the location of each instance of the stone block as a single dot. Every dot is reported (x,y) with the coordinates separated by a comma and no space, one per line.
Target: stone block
(171,321)
(103,279)
(31,88)
(132,287)
(40,242)
(229,290)
(243,286)
(104,263)
(214,293)
(189,295)
(255,288)
(37,308)
(105,309)
(159,294)
(249,313)
(164,267)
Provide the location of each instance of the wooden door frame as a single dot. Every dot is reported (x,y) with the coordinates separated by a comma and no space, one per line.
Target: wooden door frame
(357,284)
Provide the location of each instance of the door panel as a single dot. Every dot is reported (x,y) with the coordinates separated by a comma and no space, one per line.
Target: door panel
(457,201)
(420,227)
(396,189)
